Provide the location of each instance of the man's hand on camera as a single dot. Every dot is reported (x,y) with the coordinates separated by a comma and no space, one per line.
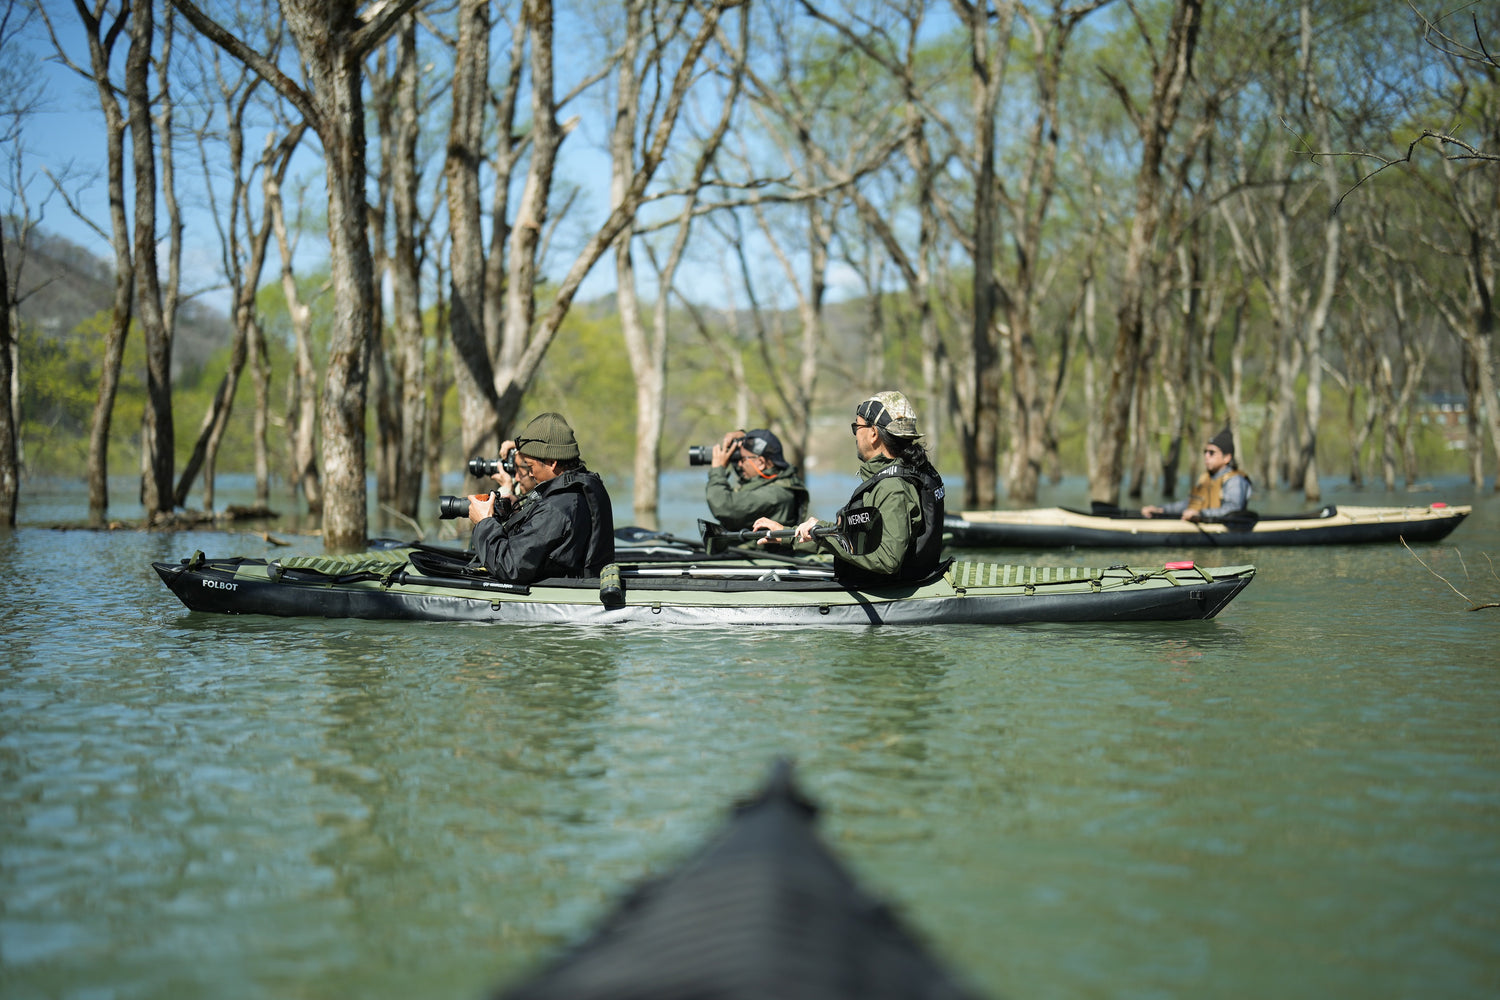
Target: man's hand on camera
(505,479)
(481,506)
(725,451)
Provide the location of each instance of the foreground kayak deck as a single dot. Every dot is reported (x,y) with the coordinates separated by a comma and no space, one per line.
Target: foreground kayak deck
(403,584)
(1058,527)
(763,909)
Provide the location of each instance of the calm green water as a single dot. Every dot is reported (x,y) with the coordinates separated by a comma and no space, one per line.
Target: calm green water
(1298,799)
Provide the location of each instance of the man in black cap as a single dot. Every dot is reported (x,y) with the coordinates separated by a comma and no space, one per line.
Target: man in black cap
(768,486)
(1220,491)
(562,524)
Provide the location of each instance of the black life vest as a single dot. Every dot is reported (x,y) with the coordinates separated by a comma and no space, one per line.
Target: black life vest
(924,553)
(601,550)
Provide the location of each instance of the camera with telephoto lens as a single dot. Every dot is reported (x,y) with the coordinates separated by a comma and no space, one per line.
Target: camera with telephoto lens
(451,507)
(703,454)
(481,468)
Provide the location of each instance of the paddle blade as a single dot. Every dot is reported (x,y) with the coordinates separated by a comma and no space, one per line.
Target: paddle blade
(714,540)
(858,526)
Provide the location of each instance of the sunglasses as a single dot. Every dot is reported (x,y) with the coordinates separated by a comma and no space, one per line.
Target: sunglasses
(855,426)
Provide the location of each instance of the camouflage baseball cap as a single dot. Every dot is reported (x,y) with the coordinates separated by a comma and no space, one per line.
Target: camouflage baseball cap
(891,412)
(547,436)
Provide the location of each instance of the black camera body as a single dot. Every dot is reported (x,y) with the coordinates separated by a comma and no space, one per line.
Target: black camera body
(703,454)
(483,468)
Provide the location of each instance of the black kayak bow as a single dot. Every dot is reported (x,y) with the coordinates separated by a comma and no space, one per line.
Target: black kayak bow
(763,910)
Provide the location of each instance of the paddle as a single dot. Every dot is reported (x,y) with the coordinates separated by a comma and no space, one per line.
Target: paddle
(634,535)
(854,529)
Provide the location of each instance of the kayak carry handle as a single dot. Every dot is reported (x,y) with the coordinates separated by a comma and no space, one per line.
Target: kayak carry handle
(611,587)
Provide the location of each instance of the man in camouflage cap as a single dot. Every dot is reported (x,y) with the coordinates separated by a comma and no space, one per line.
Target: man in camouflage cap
(553,518)
(898,481)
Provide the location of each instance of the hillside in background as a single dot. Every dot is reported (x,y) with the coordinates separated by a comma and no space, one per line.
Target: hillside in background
(62,284)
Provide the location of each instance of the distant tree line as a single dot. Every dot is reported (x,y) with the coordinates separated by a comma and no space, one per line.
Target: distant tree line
(1128,221)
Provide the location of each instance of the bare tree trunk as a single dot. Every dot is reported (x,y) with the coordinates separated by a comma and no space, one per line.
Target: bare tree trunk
(1168,82)
(101,52)
(649,368)
(346,381)
(302,388)
(10,471)
(920,284)
(411,359)
(648,357)
(157,438)
(473,373)
(333,39)
(511,376)
(243,265)
(1482,396)
(1477,334)
(439,380)
(260,374)
(819,234)
(508,148)
(1029,200)
(1333,228)
(982,424)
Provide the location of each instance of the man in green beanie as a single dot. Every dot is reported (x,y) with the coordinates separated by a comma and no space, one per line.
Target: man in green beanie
(898,480)
(558,523)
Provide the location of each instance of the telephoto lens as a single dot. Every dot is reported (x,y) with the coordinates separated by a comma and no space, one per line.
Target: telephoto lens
(703,454)
(451,507)
(481,468)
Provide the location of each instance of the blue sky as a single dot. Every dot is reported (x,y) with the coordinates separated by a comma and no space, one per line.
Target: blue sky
(64,140)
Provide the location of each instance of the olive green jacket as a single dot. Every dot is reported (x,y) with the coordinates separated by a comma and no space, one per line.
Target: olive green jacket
(782,498)
(900,521)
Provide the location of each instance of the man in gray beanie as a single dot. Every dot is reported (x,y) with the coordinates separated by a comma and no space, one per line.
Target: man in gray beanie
(553,518)
(899,482)
(1222,490)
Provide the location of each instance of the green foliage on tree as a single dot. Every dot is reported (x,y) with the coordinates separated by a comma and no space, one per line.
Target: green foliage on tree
(59,376)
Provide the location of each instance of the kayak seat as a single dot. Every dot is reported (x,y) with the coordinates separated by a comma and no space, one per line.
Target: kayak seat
(1097,509)
(451,563)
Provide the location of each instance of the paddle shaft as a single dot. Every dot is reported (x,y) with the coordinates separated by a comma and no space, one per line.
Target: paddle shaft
(748,533)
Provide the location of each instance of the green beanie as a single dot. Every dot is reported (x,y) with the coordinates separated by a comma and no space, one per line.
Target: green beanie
(548,436)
